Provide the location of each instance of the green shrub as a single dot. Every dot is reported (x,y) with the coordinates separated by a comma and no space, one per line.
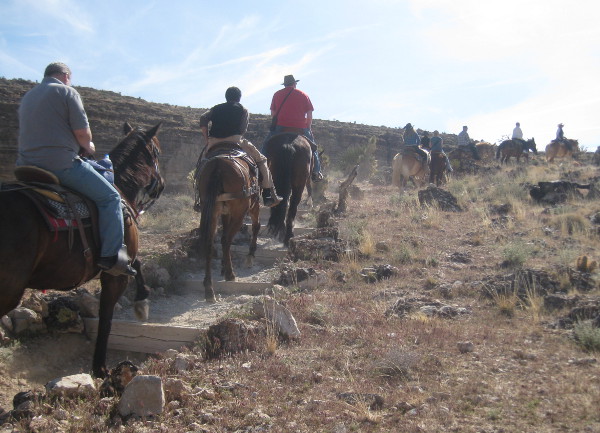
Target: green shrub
(587,336)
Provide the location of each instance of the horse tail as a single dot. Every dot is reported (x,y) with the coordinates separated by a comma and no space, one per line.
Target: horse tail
(213,173)
(282,178)
(499,150)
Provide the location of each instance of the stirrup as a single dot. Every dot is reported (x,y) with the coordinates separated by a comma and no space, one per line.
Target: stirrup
(120,266)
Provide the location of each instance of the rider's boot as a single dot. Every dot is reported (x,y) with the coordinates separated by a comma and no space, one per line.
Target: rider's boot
(118,264)
(270,197)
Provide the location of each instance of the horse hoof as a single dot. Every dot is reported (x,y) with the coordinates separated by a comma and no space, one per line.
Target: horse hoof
(211,300)
(142,310)
(230,278)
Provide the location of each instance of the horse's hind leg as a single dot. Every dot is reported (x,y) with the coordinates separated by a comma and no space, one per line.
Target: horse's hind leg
(291,215)
(209,293)
(231,225)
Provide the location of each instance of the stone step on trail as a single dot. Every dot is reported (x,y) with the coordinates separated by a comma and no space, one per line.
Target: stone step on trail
(230,288)
(298,231)
(144,337)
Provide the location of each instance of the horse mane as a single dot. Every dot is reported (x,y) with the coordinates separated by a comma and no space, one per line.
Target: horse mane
(130,158)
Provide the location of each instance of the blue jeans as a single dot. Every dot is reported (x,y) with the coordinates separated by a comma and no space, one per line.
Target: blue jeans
(82,178)
(307,132)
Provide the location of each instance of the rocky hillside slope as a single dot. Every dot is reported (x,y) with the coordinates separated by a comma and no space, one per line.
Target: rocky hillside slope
(179,135)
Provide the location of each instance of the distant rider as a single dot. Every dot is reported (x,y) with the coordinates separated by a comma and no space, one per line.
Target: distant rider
(464,141)
(437,146)
(412,141)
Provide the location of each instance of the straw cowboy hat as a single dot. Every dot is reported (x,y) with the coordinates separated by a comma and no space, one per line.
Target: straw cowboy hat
(560,125)
(288,80)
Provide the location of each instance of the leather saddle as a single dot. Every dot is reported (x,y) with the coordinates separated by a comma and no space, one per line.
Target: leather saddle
(55,202)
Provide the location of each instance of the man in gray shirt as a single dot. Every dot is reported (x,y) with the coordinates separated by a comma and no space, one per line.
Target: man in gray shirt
(53,130)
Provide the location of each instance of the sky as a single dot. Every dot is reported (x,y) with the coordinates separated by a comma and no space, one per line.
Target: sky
(438,64)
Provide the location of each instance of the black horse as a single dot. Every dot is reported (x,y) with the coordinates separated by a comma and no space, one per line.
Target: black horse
(290,161)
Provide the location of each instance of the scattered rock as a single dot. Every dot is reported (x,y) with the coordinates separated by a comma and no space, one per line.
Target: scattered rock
(230,336)
(303,278)
(374,401)
(25,320)
(408,305)
(278,316)
(458,257)
(88,305)
(378,273)
(77,385)
(442,199)
(143,397)
(176,389)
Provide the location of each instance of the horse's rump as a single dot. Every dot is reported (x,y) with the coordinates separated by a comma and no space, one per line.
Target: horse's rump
(290,160)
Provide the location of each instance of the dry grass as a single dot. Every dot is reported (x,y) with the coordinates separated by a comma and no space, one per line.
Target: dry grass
(518,378)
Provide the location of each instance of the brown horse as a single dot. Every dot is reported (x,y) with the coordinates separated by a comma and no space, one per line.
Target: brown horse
(227,186)
(516,148)
(290,161)
(437,168)
(561,149)
(34,257)
(408,165)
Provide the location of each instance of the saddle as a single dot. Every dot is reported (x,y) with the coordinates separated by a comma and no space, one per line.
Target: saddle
(61,208)
(233,152)
(227,150)
(413,151)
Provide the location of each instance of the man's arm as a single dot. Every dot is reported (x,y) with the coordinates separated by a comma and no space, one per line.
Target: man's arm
(84,138)
(204,120)
(244,122)
(308,119)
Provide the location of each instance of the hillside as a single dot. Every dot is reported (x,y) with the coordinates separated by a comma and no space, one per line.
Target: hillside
(179,134)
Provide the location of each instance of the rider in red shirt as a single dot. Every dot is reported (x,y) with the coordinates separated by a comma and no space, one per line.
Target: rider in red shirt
(294,110)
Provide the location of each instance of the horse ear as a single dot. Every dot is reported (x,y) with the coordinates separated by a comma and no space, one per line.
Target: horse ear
(152,132)
(127,128)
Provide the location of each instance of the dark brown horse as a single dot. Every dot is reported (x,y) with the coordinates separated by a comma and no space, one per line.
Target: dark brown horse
(290,160)
(437,168)
(516,148)
(31,256)
(227,186)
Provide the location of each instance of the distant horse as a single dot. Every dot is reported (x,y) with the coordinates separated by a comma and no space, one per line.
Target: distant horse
(227,186)
(561,149)
(290,160)
(408,165)
(516,148)
(437,168)
(34,257)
